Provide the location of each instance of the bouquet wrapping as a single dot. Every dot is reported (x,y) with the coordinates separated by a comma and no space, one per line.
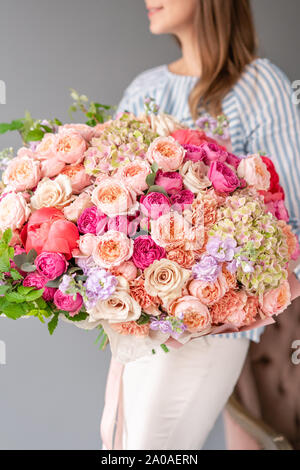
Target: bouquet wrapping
(145,229)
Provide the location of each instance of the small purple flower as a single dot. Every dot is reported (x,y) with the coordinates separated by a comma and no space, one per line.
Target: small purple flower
(173,326)
(86,264)
(100,285)
(207,270)
(221,250)
(66,283)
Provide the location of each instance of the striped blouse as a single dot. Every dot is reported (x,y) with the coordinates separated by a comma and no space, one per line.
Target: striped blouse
(262,118)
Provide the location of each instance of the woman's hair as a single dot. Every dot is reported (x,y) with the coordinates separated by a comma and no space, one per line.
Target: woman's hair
(227,43)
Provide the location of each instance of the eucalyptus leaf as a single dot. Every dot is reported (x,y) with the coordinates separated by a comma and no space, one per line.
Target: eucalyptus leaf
(157,189)
(28,267)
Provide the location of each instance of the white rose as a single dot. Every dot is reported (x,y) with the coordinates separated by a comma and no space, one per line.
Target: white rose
(14,211)
(163,124)
(255,172)
(120,307)
(195,176)
(53,193)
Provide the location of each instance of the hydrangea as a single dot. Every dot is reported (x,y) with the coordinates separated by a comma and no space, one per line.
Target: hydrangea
(262,255)
(125,139)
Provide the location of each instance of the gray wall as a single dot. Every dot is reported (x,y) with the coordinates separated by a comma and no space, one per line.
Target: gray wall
(51,390)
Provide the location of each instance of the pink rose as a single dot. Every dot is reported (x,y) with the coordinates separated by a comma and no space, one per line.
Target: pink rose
(51,167)
(112,249)
(39,282)
(127,269)
(14,211)
(46,150)
(134,174)
(89,220)
(51,265)
(146,251)
(182,199)
(154,205)
(278,210)
(113,198)
(22,173)
(196,316)
(25,152)
(233,160)
(76,208)
(78,176)
(167,153)
(276,300)
(214,153)
(70,146)
(209,292)
(67,303)
(223,178)
(84,130)
(87,244)
(194,153)
(255,172)
(171,181)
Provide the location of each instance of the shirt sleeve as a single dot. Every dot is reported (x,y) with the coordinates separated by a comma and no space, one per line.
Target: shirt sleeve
(271,122)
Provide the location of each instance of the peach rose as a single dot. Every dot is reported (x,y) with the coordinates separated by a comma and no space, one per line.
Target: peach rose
(84,130)
(53,193)
(75,209)
(185,258)
(209,292)
(112,249)
(291,239)
(113,198)
(196,316)
(46,149)
(277,300)
(87,244)
(22,173)
(134,174)
(254,171)
(14,211)
(230,308)
(167,153)
(127,269)
(165,279)
(70,146)
(170,230)
(51,167)
(25,152)
(119,308)
(79,178)
(195,176)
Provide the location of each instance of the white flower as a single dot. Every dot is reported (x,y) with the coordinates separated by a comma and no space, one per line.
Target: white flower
(195,176)
(53,193)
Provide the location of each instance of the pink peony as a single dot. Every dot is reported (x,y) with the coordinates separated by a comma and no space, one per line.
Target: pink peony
(146,251)
(278,210)
(76,208)
(255,172)
(194,153)
(87,244)
(46,150)
(39,282)
(67,303)
(214,153)
(167,153)
(223,178)
(127,269)
(209,292)
(154,205)
(171,181)
(84,130)
(191,137)
(51,265)
(89,220)
(182,199)
(233,160)
(134,174)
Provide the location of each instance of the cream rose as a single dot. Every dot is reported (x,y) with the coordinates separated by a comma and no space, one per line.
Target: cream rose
(46,148)
(120,307)
(113,198)
(53,193)
(75,209)
(167,153)
(22,173)
(14,211)
(255,172)
(165,279)
(195,176)
(162,124)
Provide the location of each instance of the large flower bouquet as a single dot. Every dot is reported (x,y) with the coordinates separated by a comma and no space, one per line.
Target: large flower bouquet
(142,228)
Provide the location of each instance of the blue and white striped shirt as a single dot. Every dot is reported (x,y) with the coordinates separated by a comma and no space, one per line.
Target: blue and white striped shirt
(262,118)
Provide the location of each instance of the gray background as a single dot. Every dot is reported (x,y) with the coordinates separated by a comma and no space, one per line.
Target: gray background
(52,389)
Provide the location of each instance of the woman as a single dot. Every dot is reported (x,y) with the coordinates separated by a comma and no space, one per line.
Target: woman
(171,401)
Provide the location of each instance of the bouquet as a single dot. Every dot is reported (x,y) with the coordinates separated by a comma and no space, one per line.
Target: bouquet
(142,228)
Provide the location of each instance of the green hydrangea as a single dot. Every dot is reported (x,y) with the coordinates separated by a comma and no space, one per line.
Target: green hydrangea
(261,242)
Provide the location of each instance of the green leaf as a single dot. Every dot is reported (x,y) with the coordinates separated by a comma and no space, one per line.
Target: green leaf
(16,276)
(79,317)
(150,179)
(34,295)
(20,259)
(154,167)
(14,297)
(57,122)
(16,125)
(34,135)
(144,319)
(4,289)
(164,348)
(4,127)
(55,283)
(4,262)
(7,236)
(31,256)
(28,267)
(24,290)
(13,310)
(157,189)
(53,324)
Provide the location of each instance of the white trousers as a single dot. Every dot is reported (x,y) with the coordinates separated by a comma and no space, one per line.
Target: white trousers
(172,400)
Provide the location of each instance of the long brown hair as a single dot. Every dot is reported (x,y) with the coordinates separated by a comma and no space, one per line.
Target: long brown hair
(227,43)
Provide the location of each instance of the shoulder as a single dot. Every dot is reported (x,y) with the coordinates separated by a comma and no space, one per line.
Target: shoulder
(151,78)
